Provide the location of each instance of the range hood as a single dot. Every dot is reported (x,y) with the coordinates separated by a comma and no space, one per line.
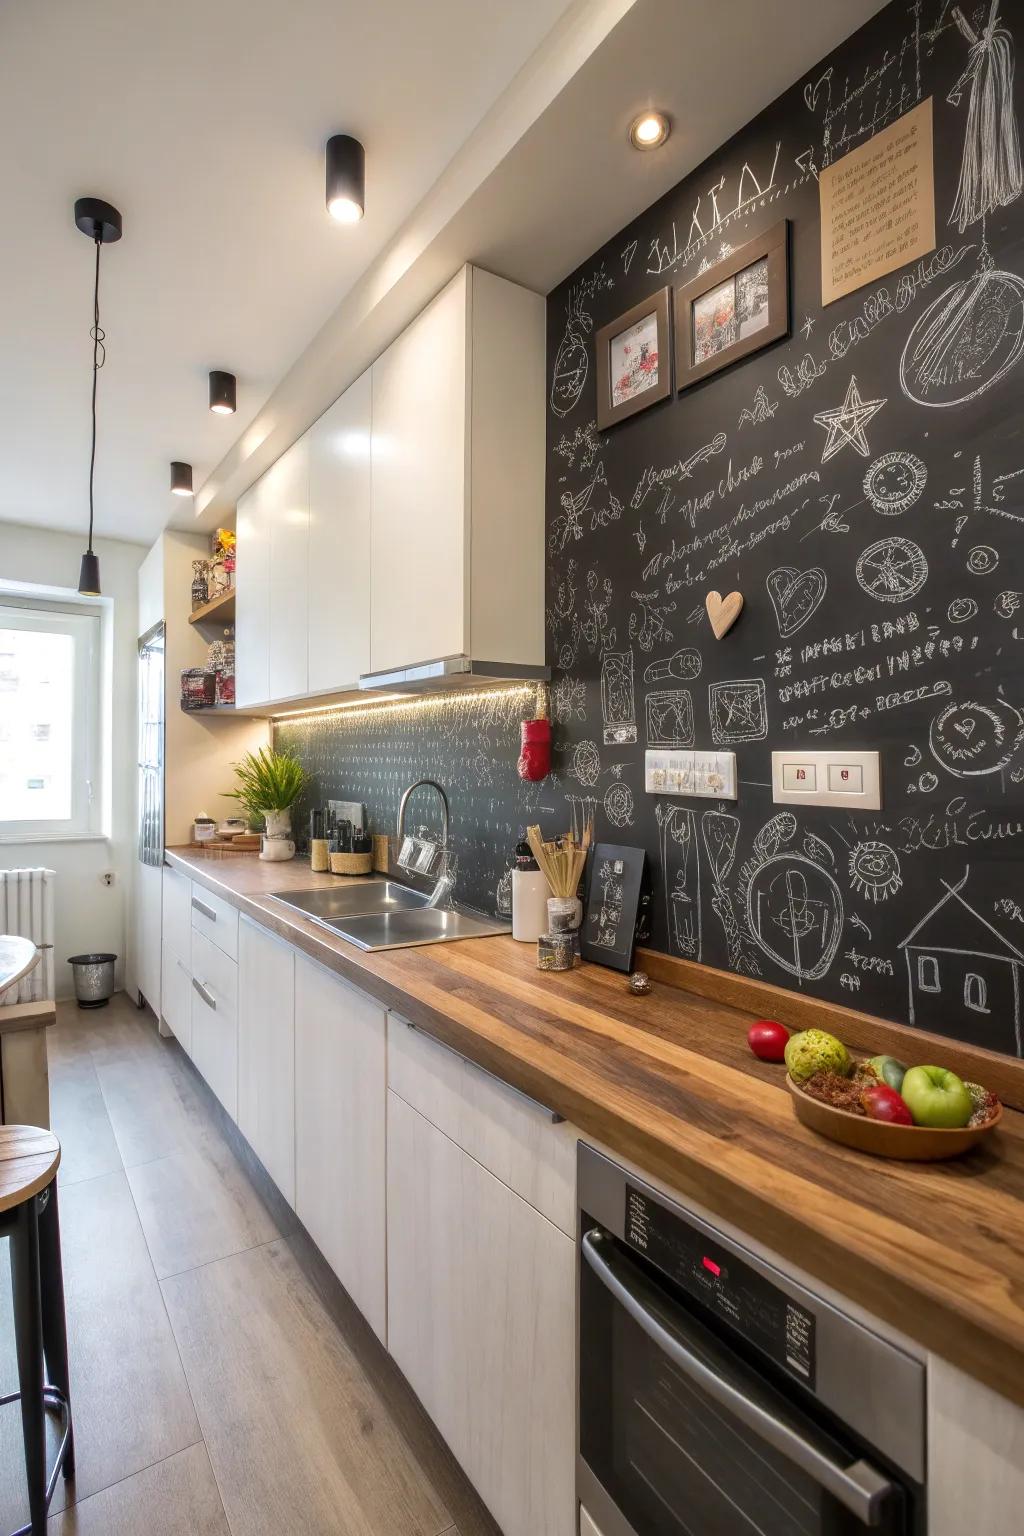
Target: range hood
(451,673)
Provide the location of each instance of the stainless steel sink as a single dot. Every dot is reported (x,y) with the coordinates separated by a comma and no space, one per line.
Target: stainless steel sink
(382,914)
(371,895)
(428,925)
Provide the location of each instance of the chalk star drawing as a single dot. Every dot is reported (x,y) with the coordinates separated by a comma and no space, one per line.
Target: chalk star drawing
(845,423)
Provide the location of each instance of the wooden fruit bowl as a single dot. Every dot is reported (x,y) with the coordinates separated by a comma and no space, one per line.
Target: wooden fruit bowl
(912,1143)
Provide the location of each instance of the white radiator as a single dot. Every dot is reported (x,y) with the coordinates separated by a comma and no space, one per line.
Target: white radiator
(26,908)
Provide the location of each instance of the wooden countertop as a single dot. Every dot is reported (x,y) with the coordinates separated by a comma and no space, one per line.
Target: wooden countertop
(667,1080)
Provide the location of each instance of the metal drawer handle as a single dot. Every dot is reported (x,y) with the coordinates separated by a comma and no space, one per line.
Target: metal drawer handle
(181,966)
(860,1487)
(207,996)
(201,906)
(534,1104)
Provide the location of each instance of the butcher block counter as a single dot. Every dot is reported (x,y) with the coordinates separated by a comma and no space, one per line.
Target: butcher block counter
(667,1080)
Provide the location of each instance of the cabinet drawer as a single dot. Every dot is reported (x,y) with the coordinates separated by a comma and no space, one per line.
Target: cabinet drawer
(216,919)
(214,1020)
(513,1136)
(175,997)
(177,913)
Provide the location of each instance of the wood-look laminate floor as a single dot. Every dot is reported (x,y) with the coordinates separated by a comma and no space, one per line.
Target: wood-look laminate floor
(223,1384)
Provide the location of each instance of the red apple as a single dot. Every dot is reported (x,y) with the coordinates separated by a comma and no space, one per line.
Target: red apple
(767,1039)
(883,1103)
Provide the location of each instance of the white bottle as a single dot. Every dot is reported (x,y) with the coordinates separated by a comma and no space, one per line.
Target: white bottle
(530,892)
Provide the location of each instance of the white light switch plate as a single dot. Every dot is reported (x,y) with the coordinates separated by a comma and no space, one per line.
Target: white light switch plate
(850,779)
(709,775)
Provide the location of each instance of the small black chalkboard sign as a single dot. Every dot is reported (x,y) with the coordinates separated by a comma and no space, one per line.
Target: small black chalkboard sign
(618,899)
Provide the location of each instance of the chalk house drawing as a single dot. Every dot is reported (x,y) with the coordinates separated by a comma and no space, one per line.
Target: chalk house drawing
(618,702)
(796,596)
(669,716)
(973,333)
(739,711)
(680,863)
(845,423)
(892,570)
(874,870)
(894,482)
(970,739)
(964,977)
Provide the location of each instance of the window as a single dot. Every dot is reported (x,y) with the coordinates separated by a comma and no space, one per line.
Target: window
(49,722)
(976,992)
(928,973)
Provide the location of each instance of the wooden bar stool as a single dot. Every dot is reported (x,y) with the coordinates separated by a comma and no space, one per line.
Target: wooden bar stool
(29,1159)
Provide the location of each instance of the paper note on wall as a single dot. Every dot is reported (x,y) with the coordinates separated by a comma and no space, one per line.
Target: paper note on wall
(878,205)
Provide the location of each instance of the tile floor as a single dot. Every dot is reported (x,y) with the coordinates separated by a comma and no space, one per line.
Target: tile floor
(223,1384)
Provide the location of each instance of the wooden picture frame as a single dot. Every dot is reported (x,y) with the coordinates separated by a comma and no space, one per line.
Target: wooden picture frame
(625,343)
(720,318)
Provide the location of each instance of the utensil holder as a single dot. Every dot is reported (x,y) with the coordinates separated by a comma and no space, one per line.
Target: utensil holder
(351,863)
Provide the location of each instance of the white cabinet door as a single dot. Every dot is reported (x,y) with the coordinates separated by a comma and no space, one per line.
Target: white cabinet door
(266,1051)
(286,489)
(176,997)
(339,541)
(481,1318)
(419,547)
(252,598)
(340,1109)
(214,1020)
(975,1455)
(177,913)
(148,933)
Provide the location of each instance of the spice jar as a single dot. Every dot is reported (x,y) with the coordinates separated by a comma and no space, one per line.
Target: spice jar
(565,913)
(555,952)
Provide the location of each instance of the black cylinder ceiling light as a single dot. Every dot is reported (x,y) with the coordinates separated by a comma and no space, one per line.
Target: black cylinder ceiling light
(102,223)
(346,178)
(181,478)
(222,393)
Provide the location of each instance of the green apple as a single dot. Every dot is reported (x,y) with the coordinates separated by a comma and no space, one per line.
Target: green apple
(888,1070)
(815,1050)
(936,1097)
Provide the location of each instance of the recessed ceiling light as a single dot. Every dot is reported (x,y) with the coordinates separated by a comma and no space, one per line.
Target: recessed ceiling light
(181,478)
(222,392)
(346,178)
(649,130)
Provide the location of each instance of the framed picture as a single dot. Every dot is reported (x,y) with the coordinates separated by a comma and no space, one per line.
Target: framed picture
(734,308)
(634,360)
(617,906)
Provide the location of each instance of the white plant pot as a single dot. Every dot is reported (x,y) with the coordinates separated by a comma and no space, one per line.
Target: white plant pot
(278,823)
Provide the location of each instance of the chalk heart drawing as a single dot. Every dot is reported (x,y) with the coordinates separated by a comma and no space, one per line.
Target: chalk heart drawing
(845,423)
(971,739)
(795,913)
(723,611)
(894,482)
(892,570)
(795,595)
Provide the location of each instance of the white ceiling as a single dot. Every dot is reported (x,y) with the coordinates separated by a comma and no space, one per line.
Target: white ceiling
(204,122)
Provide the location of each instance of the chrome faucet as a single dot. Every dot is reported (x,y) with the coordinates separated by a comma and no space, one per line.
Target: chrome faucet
(418,856)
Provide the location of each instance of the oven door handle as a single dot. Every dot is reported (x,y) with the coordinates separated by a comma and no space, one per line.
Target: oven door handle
(859,1487)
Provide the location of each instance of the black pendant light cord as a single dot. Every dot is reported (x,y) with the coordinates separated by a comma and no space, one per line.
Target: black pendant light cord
(99,357)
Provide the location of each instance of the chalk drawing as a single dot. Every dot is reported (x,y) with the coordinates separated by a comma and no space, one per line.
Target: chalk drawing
(683,666)
(874,870)
(982,560)
(618,804)
(796,596)
(738,710)
(970,739)
(618,704)
(892,570)
(961,610)
(845,423)
(680,865)
(795,914)
(895,481)
(761,411)
(586,764)
(669,717)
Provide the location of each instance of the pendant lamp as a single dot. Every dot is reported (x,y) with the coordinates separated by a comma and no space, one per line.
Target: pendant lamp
(102,223)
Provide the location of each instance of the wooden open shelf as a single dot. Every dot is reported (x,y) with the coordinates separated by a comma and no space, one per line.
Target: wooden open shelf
(220,609)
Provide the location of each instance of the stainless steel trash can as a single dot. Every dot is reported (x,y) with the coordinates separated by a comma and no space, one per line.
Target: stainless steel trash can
(94,979)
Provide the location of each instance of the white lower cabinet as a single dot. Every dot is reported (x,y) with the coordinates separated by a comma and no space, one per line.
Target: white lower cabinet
(481,1320)
(214,1019)
(340,1135)
(266,1051)
(176,997)
(975,1455)
(587,1526)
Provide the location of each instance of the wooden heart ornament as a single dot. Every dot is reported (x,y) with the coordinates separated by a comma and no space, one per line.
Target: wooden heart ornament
(723,611)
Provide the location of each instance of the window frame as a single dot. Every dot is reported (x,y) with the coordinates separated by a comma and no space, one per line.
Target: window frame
(936,984)
(982,1005)
(84,626)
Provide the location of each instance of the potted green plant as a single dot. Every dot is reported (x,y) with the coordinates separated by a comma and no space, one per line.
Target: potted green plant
(269,783)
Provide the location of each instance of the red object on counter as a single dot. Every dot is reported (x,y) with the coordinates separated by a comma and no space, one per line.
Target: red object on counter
(535,753)
(767,1039)
(883,1103)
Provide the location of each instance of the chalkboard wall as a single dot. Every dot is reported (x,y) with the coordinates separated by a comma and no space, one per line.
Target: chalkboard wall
(862,485)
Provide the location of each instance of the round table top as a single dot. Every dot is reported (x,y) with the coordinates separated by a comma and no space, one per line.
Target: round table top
(29,1159)
(17,958)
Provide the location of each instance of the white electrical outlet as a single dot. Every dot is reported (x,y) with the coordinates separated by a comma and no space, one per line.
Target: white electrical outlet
(850,779)
(709,775)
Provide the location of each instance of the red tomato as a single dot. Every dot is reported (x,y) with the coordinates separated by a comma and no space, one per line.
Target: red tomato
(767,1039)
(883,1103)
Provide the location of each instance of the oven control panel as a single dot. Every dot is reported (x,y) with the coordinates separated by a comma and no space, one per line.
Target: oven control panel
(729,1288)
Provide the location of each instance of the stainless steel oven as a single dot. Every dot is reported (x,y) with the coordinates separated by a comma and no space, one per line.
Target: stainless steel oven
(719,1397)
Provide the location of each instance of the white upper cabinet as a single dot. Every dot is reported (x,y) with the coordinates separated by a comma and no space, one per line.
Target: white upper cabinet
(252,598)
(457,528)
(338,580)
(286,491)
